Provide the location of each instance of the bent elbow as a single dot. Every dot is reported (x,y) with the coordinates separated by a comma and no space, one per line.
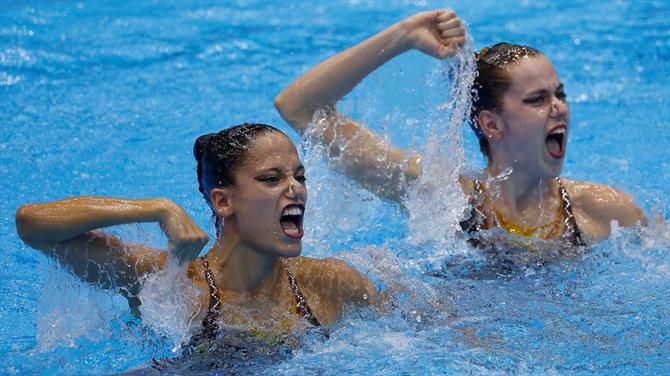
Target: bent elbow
(279,102)
(293,113)
(24,221)
(286,112)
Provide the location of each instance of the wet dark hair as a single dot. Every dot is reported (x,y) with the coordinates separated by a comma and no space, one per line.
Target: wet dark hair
(492,81)
(220,154)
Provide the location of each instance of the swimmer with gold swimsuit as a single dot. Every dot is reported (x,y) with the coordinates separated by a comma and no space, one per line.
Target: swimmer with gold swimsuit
(520,114)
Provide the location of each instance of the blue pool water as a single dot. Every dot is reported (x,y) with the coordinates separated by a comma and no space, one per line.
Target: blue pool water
(106,99)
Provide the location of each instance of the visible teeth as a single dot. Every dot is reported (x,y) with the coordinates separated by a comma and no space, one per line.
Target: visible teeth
(292,231)
(559,131)
(292,211)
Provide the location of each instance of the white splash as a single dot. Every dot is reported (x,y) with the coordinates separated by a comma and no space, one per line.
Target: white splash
(69,310)
(168,298)
(436,201)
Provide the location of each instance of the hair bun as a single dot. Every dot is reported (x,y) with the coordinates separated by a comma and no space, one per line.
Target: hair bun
(199,146)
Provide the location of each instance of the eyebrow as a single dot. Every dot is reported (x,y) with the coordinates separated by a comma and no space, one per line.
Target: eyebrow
(280,171)
(544,90)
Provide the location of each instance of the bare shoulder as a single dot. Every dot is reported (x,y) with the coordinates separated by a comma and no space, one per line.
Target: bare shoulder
(308,268)
(332,277)
(605,203)
(142,258)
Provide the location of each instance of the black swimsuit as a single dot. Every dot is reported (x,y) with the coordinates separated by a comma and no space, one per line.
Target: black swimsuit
(232,351)
(209,324)
(478,221)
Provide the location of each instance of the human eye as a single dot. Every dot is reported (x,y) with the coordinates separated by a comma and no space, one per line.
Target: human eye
(269,179)
(301,178)
(536,99)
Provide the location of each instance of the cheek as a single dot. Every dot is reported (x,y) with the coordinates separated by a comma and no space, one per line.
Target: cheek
(534,116)
(523,125)
(263,210)
(534,121)
(258,212)
(527,134)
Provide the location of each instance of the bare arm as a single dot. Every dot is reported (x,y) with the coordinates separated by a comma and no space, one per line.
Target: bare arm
(367,157)
(65,230)
(597,205)
(610,204)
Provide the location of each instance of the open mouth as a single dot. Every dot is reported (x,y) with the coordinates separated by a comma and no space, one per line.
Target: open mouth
(556,141)
(291,221)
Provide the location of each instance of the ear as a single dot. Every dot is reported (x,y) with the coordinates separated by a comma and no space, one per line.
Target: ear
(222,201)
(491,124)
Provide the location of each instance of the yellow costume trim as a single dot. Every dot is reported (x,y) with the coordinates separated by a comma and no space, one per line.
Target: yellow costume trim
(542,231)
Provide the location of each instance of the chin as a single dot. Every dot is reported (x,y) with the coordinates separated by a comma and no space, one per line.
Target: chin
(290,254)
(556,171)
(289,250)
(553,169)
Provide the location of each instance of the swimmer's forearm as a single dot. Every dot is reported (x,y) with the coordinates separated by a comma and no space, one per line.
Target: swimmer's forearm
(331,80)
(65,219)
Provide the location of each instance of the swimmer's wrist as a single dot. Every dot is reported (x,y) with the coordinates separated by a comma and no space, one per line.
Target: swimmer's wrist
(403,36)
(158,209)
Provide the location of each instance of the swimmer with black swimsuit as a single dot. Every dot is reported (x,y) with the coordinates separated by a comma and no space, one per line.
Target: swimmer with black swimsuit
(252,279)
(210,322)
(520,115)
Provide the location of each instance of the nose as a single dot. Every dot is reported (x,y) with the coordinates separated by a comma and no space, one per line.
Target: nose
(296,189)
(559,107)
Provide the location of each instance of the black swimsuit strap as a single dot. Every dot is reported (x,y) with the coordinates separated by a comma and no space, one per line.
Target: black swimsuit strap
(571,229)
(209,323)
(301,303)
(477,218)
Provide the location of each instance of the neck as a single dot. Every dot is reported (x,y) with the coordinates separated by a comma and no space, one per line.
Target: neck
(519,191)
(243,269)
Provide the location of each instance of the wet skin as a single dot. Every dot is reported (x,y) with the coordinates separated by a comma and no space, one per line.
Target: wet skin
(271,179)
(534,105)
